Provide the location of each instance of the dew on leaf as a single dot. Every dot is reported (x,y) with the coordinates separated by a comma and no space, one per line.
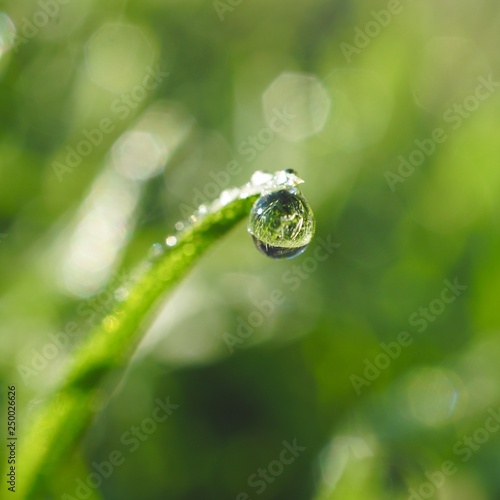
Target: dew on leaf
(281,223)
(171,241)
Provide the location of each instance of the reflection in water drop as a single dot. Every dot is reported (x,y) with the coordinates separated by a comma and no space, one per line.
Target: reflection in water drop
(281,224)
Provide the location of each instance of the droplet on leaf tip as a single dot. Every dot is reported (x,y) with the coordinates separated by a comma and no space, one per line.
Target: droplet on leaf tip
(282,224)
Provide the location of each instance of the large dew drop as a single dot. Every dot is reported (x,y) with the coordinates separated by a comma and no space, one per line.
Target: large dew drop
(281,223)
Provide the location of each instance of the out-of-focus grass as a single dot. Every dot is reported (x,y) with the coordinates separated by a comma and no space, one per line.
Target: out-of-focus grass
(66,414)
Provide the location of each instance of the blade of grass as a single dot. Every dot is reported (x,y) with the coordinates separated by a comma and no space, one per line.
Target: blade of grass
(67,413)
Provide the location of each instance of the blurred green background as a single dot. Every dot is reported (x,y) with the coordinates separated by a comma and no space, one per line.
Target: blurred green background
(118,118)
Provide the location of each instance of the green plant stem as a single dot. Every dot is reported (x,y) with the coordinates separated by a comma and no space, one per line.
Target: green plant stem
(68,411)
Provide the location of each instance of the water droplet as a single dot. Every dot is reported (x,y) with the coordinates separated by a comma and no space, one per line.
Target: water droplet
(229,195)
(281,178)
(156,251)
(171,241)
(281,223)
(259,177)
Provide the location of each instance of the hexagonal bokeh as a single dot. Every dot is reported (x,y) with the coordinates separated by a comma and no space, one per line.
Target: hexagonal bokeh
(296,106)
(118,56)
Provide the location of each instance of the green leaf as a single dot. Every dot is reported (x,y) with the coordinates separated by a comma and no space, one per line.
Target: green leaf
(68,411)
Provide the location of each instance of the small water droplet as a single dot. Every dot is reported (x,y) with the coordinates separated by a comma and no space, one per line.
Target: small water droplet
(171,241)
(179,226)
(281,177)
(282,224)
(260,177)
(228,195)
(156,250)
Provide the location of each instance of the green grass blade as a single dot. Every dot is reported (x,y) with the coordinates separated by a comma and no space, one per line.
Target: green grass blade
(67,413)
